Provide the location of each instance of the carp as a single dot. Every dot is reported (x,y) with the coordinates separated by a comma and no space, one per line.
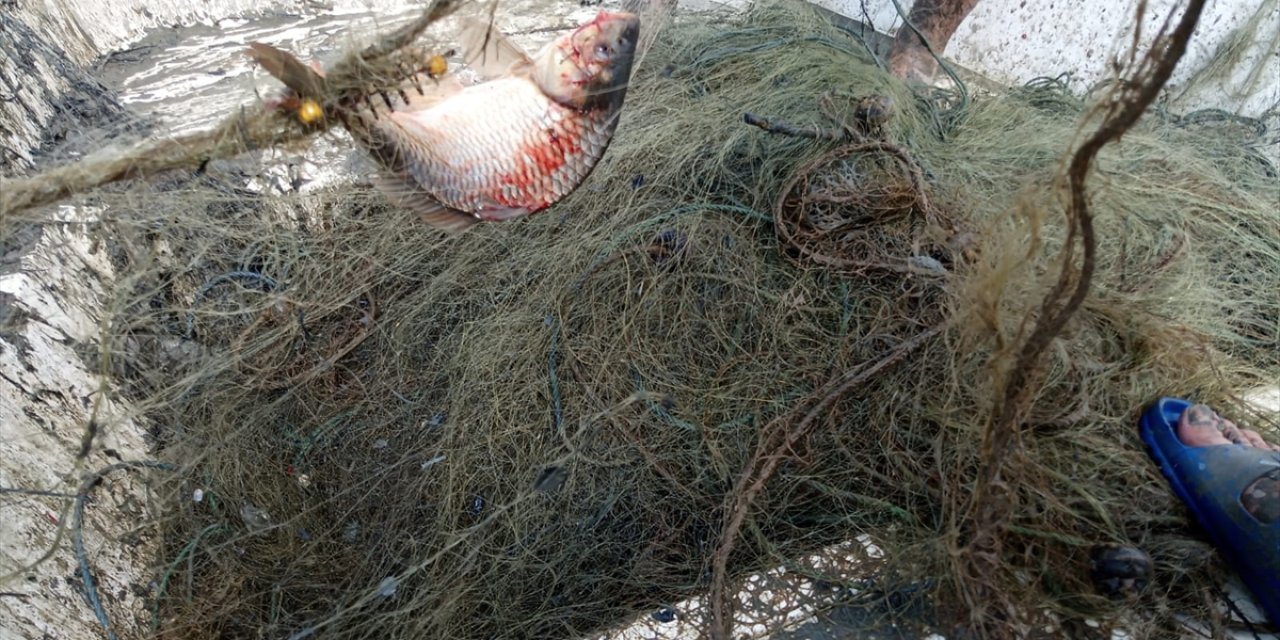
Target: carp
(513,144)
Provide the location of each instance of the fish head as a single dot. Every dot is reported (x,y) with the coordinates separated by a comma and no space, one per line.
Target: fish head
(590,66)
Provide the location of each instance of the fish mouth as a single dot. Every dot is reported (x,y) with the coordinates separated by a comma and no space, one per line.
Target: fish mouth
(604,24)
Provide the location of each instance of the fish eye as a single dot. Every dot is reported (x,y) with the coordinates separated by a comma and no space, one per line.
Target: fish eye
(603,51)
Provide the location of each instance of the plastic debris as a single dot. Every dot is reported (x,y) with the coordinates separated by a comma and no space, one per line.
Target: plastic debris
(258,520)
(550,479)
(388,586)
(351,532)
(927,263)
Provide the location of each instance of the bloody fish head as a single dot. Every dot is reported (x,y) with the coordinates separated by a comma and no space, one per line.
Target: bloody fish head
(593,64)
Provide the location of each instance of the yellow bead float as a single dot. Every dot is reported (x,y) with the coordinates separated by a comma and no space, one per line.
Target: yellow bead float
(437,66)
(310,112)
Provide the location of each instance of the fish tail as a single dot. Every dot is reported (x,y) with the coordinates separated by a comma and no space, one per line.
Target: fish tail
(302,79)
(416,68)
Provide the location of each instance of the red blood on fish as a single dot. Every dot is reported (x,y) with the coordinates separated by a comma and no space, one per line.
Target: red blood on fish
(536,160)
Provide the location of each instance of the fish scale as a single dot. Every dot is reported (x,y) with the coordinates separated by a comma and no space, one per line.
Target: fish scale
(500,145)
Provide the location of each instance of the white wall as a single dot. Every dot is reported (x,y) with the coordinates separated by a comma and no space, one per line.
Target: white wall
(1014,41)
(90,28)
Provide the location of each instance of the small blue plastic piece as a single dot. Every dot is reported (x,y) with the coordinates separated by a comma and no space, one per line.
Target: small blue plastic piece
(1210,480)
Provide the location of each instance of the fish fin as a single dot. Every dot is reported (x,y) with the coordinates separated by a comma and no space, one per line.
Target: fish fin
(409,100)
(502,213)
(442,90)
(287,69)
(488,51)
(406,195)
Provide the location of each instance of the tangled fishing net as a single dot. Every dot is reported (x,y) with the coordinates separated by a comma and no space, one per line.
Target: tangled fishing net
(545,428)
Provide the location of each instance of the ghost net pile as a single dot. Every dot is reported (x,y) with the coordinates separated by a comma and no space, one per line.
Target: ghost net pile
(544,428)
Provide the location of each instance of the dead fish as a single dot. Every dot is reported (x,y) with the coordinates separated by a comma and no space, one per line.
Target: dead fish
(509,146)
